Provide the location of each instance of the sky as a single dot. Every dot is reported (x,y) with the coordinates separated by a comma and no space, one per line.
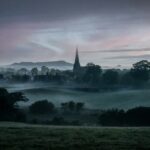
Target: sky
(106,32)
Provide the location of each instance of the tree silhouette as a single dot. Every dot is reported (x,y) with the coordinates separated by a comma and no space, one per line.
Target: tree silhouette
(140,71)
(8,104)
(92,74)
(79,106)
(110,77)
(42,107)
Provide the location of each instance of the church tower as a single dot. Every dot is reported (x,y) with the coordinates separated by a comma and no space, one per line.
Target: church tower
(76,67)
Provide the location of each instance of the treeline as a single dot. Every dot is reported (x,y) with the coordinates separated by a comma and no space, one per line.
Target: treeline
(88,77)
(137,76)
(138,116)
(45,107)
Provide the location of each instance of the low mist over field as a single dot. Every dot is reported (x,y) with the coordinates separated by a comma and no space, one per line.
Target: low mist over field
(124,99)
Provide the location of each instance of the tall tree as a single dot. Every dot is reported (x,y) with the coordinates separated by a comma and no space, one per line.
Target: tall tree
(140,71)
(110,77)
(92,74)
(8,103)
(34,71)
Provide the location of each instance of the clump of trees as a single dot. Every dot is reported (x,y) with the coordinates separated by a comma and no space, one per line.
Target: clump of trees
(1,76)
(21,78)
(72,106)
(42,107)
(9,110)
(110,77)
(133,117)
(92,74)
(137,76)
(138,116)
(140,72)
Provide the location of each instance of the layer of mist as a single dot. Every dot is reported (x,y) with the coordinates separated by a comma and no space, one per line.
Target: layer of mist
(95,100)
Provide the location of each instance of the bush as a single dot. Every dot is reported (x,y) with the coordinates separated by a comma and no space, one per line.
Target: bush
(133,117)
(110,77)
(8,107)
(58,121)
(72,106)
(42,107)
(112,117)
(138,116)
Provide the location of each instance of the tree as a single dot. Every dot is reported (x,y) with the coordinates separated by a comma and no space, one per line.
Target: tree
(127,79)
(34,72)
(140,71)
(21,78)
(8,104)
(58,121)
(138,116)
(142,65)
(10,99)
(110,77)
(71,106)
(92,74)
(1,76)
(42,107)
(113,117)
(22,71)
(44,70)
(79,106)
(64,106)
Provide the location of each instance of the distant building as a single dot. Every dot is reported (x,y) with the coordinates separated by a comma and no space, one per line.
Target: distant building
(76,66)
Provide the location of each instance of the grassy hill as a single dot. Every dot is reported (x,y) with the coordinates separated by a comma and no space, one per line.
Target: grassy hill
(29,137)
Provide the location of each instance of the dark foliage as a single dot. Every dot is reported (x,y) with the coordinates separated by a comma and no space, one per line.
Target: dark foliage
(58,121)
(88,78)
(21,78)
(133,117)
(72,106)
(92,74)
(140,72)
(112,117)
(138,116)
(110,77)
(42,107)
(8,106)
(1,76)
(79,106)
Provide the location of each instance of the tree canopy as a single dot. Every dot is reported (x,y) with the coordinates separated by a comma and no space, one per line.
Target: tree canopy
(8,103)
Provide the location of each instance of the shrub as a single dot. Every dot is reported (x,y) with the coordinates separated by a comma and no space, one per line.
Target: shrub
(112,117)
(42,107)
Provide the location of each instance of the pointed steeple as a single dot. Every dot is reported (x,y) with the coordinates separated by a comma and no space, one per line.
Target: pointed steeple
(76,67)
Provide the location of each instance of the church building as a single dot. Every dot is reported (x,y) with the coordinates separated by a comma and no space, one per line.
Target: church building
(77,67)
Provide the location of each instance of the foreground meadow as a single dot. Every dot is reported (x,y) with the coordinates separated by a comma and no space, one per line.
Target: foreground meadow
(26,137)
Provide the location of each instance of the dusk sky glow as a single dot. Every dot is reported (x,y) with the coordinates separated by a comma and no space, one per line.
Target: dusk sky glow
(107,32)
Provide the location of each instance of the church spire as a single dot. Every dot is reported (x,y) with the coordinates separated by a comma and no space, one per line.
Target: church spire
(76,67)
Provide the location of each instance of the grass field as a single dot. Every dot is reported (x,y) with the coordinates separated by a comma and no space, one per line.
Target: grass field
(26,137)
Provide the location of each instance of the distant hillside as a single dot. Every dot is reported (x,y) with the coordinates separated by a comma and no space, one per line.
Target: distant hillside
(50,64)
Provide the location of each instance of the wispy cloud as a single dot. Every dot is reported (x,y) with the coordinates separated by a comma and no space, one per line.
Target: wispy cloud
(141,57)
(46,30)
(117,50)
